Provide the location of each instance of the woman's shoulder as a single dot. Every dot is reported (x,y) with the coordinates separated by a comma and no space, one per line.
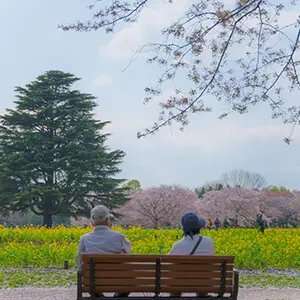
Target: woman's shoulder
(207,239)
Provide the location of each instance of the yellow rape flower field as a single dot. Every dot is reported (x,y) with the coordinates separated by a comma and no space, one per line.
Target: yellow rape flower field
(42,247)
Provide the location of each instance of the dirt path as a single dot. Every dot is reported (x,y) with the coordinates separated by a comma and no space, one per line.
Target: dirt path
(70,294)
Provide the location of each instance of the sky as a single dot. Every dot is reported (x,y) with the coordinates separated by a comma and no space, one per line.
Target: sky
(31,44)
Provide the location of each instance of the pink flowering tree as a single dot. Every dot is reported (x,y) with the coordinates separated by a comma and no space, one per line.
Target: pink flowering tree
(236,204)
(281,208)
(156,207)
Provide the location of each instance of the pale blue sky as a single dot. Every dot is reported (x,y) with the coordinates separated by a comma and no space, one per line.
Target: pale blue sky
(31,44)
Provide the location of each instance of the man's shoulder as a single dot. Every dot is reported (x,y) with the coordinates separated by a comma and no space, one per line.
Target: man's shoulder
(107,232)
(116,233)
(86,234)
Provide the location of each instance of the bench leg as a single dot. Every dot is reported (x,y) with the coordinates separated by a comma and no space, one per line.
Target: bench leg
(175,295)
(121,295)
(235,288)
(79,285)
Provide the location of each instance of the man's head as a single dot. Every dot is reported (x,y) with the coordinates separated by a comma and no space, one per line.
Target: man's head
(100,215)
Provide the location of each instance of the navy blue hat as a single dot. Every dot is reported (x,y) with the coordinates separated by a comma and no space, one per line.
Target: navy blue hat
(190,222)
(202,222)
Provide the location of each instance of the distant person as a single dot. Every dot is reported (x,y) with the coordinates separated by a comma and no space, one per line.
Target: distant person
(208,224)
(102,240)
(234,222)
(217,223)
(226,223)
(260,223)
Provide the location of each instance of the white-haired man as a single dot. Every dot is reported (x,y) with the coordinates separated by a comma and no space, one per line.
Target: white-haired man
(101,240)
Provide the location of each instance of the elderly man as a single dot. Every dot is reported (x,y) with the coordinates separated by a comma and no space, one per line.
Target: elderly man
(102,240)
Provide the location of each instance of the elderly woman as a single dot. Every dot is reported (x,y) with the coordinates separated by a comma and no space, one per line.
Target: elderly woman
(193,243)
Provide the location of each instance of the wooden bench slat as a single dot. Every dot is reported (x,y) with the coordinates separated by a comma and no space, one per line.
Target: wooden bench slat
(164,267)
(193,274)
(150,289)
(214,283)
(138,257)
(197,282)
(189,267)
(193,289)
(169,267)
(151,273)
(151,281)
(121,289)
(120,281)
(197,259)
(119,258)
(120,267)
(120,274)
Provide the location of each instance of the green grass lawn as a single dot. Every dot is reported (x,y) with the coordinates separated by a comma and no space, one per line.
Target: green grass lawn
(17,278)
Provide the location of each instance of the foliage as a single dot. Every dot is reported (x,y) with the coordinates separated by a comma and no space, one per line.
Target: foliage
(208,187)
(279,189)
(132,186)
(241,54)
(42,247)
(53,157)
(161,206)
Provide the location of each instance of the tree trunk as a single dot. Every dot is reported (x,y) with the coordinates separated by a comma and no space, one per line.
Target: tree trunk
(47,221)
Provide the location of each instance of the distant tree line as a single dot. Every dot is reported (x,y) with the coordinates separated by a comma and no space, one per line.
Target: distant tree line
(55,165)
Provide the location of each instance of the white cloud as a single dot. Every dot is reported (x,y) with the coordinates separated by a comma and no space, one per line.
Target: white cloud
(225,136)
(208,135)
(103,80)
(125,42)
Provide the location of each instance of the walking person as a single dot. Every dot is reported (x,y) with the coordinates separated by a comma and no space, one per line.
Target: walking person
(217,223)
(226,223)
(260,223)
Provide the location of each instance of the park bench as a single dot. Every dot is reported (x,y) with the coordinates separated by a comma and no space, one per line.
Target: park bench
(158,276)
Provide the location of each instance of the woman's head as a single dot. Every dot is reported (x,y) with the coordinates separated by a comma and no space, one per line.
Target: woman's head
(191,224)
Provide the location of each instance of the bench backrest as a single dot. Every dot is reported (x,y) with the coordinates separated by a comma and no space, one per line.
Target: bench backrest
(157,273)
